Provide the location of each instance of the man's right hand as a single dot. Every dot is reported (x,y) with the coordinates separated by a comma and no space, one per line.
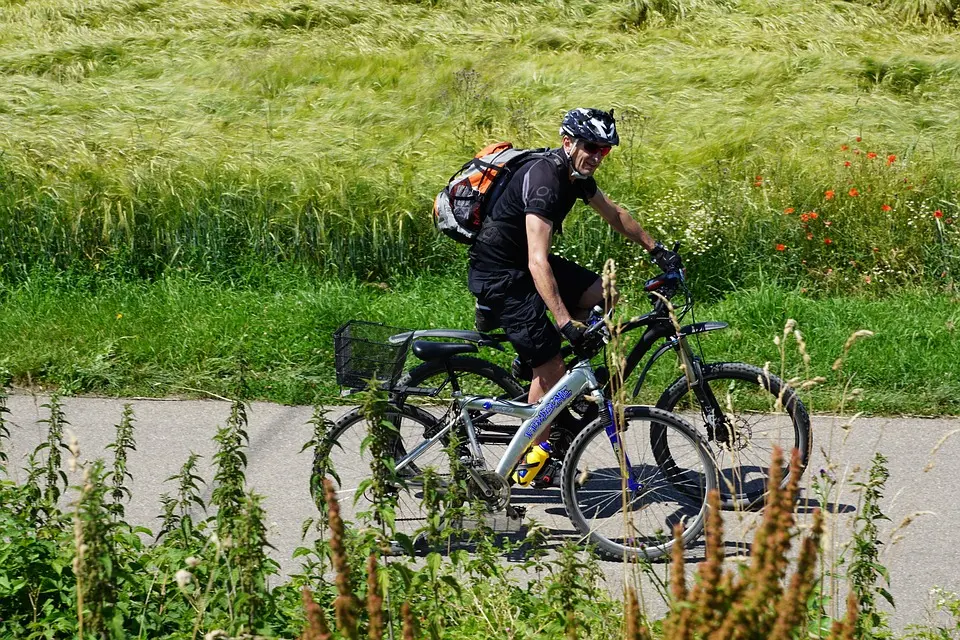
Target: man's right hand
(665,259)
(573,332)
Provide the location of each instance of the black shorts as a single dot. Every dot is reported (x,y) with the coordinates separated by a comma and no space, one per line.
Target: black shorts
(512,298)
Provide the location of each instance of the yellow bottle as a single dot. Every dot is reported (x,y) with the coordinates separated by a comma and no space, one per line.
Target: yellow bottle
(532,463)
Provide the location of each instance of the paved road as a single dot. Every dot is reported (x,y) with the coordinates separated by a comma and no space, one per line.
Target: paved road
(921,480)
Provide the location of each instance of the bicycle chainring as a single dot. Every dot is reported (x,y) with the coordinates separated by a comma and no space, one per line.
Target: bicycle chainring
(500,497)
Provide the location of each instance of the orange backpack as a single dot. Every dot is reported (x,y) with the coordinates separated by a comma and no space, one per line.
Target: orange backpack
(459,210)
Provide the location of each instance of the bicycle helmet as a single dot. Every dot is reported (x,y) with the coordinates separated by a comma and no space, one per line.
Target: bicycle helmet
(591,125)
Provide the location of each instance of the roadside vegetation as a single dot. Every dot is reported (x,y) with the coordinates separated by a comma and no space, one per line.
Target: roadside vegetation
(73,566)
(187,336)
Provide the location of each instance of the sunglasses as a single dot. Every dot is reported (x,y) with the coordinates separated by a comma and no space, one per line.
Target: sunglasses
(593,148)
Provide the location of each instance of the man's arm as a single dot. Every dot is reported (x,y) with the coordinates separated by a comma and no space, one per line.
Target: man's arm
(539,231)
(621,220)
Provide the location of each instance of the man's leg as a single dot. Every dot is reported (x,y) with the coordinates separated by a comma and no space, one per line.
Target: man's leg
(580,288)
(592,297)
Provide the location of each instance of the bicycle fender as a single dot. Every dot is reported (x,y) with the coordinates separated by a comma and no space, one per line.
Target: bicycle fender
(702,327)
(671,343)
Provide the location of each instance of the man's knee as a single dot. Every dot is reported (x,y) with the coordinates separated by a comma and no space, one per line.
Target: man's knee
(592,297)
(549,372)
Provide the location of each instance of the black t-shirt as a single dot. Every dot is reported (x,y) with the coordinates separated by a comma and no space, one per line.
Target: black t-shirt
(541,187)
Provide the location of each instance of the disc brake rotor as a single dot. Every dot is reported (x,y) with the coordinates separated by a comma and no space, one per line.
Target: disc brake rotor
(739,434)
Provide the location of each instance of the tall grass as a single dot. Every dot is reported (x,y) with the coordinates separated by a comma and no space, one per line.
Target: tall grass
(142,136)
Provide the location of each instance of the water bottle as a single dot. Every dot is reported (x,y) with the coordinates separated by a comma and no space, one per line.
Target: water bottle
(532,463)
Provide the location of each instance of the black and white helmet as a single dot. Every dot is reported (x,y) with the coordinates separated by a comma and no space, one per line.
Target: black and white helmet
(591,125)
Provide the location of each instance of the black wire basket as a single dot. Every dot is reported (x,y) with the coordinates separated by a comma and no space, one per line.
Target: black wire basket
(368,351)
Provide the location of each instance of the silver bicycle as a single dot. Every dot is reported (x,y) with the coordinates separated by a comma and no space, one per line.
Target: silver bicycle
(612,486)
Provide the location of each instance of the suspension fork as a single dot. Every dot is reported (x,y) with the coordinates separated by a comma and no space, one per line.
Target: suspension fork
(610,428)
(713,416)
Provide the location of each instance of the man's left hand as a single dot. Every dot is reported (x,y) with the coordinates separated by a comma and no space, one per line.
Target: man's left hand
(665,259)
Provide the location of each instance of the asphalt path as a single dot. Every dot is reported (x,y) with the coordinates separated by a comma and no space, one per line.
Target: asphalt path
(922,489)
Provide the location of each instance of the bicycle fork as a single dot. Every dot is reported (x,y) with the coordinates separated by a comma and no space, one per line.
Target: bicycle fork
(717,428)
(610,428)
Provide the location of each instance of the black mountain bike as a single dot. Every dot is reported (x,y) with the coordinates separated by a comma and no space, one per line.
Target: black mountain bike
(742,410)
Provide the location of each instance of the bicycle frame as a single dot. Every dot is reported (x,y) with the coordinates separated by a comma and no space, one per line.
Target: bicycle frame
(536,418)
(662,328)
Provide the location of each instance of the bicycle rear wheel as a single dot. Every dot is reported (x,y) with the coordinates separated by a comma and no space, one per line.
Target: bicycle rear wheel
(432,385)
(345,457)
(622,521)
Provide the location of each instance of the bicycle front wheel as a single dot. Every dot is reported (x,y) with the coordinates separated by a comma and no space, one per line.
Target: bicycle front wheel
(634,513)
(753,411)
(345,458)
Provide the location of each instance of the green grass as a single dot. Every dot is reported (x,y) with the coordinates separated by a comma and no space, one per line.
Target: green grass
(142,136)
(186,336)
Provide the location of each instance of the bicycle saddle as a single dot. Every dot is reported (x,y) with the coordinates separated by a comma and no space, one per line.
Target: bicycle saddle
(439,350)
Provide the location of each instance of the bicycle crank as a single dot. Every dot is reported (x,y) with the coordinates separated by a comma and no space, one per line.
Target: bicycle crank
(490,489)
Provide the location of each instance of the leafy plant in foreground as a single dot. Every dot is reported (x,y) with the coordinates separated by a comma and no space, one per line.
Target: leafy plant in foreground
(56,478)
(865,570)
(123,442)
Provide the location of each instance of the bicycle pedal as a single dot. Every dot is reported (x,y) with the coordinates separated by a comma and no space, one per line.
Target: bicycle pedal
(516,513)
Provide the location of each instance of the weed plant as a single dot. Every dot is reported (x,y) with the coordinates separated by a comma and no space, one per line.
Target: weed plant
(86,572)
(123,443)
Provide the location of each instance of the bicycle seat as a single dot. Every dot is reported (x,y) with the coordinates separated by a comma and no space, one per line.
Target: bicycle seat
(439,350)
(483,339)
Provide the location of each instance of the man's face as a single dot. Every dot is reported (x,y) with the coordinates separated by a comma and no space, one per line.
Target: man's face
(585,156)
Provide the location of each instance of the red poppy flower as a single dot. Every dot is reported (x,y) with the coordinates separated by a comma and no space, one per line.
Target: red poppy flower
(853,193)
(788,210)
(843,147)
(781,247)
(827,241)
(847,163)
(891,159)
(804,217)
(938,214)
(871,155)
(886,207)
(813,215)
(829,194)
(859,138)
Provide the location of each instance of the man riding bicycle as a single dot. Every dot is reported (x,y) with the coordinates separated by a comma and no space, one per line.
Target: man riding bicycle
(512,273)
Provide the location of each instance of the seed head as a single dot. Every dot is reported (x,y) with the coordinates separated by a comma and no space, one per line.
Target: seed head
(183,578)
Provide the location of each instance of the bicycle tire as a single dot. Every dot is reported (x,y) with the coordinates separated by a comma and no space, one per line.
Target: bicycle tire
(342,458)
(593,496)
(750,394)
(430,384)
